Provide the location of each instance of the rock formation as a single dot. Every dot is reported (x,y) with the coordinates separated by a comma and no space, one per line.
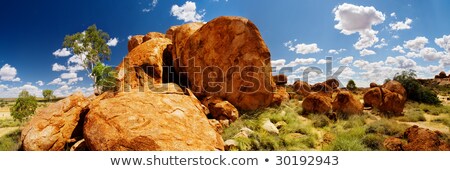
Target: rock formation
(227,58)
(396,87)
(149,121)
(222,111)
(52,128)
(373,85)
(143,66)
(153,35)
(134,42)
(280,96)
(346,105)
(317,103)
(302,88)
(280,79)
(387,102)
(418,139)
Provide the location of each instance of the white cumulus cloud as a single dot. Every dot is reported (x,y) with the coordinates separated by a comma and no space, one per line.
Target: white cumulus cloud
(346,60)
(69,75)
(62,52)
(187,12)
(443,42)
(366,52)
(358,19)
(8,73)
(112,42)
(416,44)
(401,25)
(58,67)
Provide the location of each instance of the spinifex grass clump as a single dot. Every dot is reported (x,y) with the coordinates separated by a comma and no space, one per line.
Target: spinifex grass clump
(294,133)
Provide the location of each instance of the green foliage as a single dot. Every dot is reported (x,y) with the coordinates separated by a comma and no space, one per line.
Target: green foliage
(413,115)
(105,77)
(24,107)
(3,103)
(320,121)
(48,95)
(4,123)
(10,142)
(387,80)
(385,127)
(348,140)
(351,85)
(415,90)
(294,134)
(92,43)
(374,142)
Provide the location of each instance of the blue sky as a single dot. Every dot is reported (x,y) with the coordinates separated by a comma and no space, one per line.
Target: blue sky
(373,39)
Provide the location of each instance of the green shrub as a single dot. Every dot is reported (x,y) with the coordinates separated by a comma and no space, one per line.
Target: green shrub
(293,135)
(320,121)
(10,142)
(415,90)
(348,140)
(374,142)
(385,127)
(24,107)
(9,123)
(413,115)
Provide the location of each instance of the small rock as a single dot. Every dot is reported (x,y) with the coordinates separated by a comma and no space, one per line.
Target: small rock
(230,144)
(270,127)
(393,144)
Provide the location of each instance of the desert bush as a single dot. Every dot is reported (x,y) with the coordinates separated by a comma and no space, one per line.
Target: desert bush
(445,121)
(4,123)
(415,90)
(435,109)
(348,140)
(293,135)
(10,142)
(413,115)
(24,107)
(374,141)
(385,127)
(351,85)
(320,120)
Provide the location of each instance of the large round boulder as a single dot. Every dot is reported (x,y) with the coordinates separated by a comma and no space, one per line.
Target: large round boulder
(345,105)
(395,86)
(317,103)
(146,121)
(54,127)
(152,35)
(302,88)
(228,58)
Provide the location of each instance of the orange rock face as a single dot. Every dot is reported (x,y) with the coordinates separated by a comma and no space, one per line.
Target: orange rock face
(396,87)
(420,139)
(280,96)
(346,105)
(150,121)
(134,42)
(302,88)
(317,103)
(222,111)
(52,127)
(280,79)
(152,35)
(143,66)
(227,58)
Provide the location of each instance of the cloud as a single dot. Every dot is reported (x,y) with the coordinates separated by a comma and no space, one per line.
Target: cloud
(57,81)
(394,15)
(57,67)
(358,19)
(431,54)
(187,12)
(346,60)
(75,59)
(74,80)
(8,73)
(301,61)
(395,36)
(151,6)
(40,83)
(443,42)
(336,52)
(13,92)
(382,44)
(278,64)
(406,25)
(69,75)
(112,42)
(306,48)
(64,52)
(323,61)
(401,62)
(416,44)
(398,49)
(129,37)
(75,68)
(366,52)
